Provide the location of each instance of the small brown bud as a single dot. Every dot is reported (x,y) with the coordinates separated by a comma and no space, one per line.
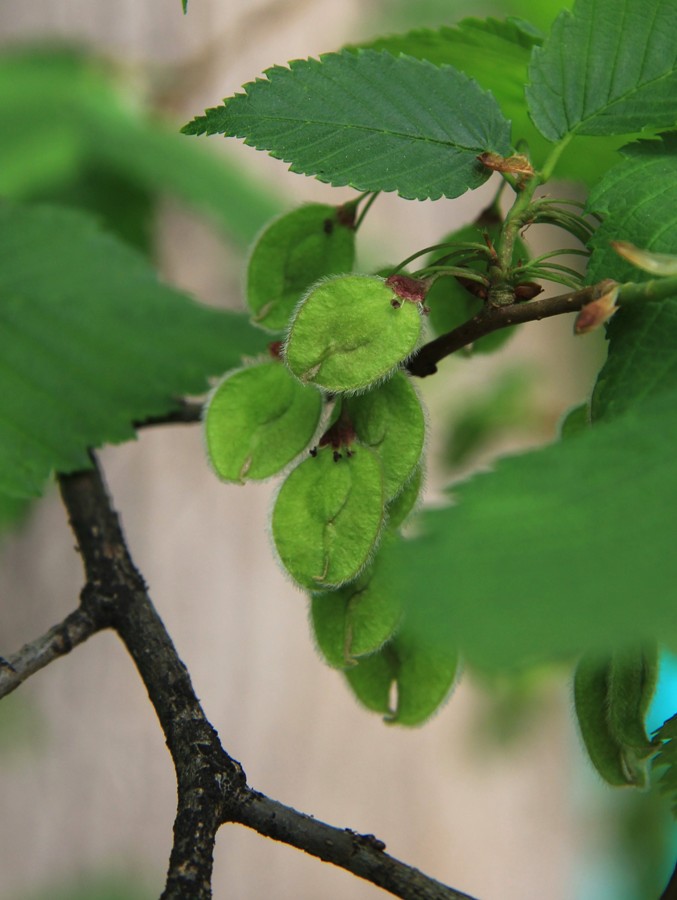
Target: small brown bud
(655,263)
(596,313)
(518,164)
(527,290)
(473,287)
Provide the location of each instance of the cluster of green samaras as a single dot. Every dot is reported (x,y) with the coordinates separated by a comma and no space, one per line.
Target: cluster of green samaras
(333,408)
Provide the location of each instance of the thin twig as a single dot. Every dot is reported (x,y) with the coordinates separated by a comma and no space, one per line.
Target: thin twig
(361,854)
(492,318)
(58,641)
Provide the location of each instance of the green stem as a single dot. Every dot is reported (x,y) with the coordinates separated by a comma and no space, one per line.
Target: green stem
(501,292)
(656,289)
(553,159)
(367,207)
(457,245)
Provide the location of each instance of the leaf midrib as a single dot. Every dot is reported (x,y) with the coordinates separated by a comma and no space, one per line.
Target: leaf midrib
(370,130)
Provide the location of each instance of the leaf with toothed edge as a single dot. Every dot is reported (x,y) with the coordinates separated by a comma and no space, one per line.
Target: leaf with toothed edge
(607,67)
(369,120)
(90,342)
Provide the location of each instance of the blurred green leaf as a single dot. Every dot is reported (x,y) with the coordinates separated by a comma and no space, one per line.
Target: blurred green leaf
(91,341)
(576,548)
(62,114)
(504,406)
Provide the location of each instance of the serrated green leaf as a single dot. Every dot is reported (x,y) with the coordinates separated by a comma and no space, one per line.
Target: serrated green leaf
(346,334)
(258,420)
(420,673)
(557,550)
(358,618)
(368,120)
(327,518)
(91,341)
(292,253)
(638,202)
(496,54)
(64,125)
(608,67)
(390,421)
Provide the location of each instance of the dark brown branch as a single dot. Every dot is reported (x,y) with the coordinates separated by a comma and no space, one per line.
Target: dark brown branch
(211,785)
(58,641)
(206,776)
(361,854)
(492,318)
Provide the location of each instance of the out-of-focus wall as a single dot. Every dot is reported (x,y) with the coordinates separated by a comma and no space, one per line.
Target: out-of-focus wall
(99,790)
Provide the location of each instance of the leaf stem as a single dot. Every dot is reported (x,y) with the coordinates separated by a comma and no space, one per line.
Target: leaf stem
(368,205)
(459,248)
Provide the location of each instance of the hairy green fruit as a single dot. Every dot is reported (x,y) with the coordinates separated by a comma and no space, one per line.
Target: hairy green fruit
(399,508)
(612,695)
(422,675)
(293,252)
(390,420)
(358,618)
(350,332)
(258,420)
(328,516)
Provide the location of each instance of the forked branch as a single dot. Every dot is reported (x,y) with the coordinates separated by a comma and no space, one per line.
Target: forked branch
(212,788)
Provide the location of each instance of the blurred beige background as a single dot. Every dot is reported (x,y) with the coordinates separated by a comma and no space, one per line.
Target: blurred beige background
(97,791)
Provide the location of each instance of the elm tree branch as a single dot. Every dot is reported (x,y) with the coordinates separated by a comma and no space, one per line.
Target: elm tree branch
(206,776)
(492,318)
(212,788)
